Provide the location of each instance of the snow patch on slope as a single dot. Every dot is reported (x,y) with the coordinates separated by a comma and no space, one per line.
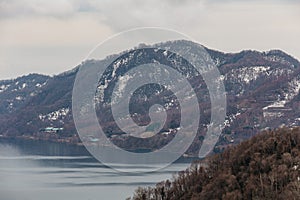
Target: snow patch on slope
(248,74)
(293,90)
(55,115)
(4,88)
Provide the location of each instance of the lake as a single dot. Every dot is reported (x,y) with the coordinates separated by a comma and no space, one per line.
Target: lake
(38,170)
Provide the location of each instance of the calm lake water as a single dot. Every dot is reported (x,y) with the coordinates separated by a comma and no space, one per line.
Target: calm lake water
(35,170)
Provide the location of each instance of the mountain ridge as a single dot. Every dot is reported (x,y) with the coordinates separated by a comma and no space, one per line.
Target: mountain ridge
(256,83)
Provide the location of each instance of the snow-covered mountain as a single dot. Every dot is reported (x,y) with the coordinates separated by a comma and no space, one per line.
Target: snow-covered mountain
(262,92)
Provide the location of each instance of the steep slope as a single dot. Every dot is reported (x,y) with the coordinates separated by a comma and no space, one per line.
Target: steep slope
(48,105)
(14,94)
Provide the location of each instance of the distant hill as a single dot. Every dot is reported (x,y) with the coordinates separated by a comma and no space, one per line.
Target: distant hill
(262,92)
(266,166)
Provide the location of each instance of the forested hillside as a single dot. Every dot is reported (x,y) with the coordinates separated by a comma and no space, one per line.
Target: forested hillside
(264,167)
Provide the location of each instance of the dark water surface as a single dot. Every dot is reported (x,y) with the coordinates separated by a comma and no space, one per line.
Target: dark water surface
(36,170)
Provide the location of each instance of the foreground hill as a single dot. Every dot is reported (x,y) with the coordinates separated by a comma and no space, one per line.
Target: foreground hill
(262,92)
(265,167)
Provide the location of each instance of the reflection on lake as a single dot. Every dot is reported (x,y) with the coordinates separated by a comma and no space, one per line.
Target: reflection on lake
(37,170)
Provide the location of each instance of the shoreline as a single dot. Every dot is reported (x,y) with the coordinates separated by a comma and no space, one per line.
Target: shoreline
(32,138)
(68,142)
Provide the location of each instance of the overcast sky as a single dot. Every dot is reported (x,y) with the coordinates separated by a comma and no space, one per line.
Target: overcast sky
(50,37)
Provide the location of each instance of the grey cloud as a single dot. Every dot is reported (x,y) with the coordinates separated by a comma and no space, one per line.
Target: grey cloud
(120,15)
(227,25)
(25,8)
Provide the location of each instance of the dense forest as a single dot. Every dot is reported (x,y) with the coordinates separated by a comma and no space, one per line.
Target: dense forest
(265,167)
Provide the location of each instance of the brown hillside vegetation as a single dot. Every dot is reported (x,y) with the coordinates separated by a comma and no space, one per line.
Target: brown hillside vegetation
(265,167)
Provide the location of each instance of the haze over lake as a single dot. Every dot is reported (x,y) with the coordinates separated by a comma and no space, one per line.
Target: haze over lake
(39,170)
